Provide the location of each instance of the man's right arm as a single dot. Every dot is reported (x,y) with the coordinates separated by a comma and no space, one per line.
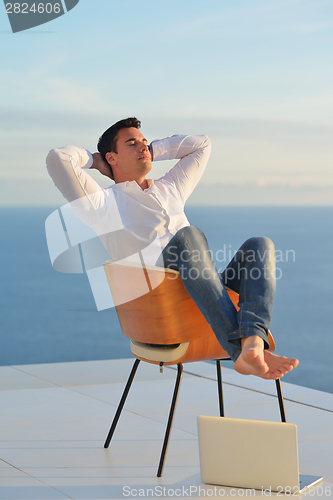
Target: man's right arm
(67,166)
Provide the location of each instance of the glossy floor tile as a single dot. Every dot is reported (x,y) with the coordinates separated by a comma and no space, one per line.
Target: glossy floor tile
(54,420)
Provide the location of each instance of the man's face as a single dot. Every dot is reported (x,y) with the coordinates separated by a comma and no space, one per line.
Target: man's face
(133,159)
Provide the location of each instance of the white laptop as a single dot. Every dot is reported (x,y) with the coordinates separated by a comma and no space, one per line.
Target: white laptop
(251,454)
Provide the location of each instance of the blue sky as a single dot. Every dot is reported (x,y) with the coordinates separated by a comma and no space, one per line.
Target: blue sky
(256,76)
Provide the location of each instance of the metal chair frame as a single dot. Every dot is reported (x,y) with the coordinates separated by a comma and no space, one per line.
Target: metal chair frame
(174,403)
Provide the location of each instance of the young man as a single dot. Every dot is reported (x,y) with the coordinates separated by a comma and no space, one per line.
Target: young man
(148,210)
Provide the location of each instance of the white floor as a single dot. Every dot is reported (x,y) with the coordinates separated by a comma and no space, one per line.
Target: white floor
(55,417)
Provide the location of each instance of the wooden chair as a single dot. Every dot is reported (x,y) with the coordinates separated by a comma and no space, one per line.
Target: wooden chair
(166,328)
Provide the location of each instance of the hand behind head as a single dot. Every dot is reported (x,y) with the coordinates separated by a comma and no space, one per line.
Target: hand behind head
(102,166)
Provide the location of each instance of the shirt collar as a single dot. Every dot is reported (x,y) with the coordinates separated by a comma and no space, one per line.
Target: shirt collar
(127,184)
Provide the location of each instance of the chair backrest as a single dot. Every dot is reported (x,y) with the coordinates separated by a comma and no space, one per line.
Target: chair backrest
(164,315)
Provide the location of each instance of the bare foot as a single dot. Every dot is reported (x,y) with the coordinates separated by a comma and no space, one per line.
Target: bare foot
(254,360)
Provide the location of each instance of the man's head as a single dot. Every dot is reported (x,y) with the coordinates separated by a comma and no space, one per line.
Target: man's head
(125,149)
(108,140)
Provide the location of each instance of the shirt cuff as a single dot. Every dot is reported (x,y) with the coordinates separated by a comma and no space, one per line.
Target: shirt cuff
(87,162)
(161,149)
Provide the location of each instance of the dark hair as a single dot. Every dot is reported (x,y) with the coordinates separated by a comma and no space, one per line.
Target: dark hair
(108,140)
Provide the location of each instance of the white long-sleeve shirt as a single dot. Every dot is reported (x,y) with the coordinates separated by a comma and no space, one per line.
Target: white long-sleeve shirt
(125,206)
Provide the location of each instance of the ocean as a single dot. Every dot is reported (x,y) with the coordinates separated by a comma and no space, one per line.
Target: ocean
(49,317)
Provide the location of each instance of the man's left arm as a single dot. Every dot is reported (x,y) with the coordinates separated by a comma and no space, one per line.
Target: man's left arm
(193,154)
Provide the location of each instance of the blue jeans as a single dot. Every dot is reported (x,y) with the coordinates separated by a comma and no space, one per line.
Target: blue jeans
(251,274)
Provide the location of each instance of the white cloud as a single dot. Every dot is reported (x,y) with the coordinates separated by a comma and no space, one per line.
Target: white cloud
(44,91)
(239,20)
(305,28)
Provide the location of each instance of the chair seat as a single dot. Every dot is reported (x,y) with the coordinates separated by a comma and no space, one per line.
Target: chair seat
(165,354)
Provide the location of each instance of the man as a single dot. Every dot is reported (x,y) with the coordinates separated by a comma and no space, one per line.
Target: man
(141,203)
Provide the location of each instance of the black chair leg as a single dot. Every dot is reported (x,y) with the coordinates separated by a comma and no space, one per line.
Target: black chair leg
(122,402)
(278,390)
(280,398)
(219,386)
(170,420)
